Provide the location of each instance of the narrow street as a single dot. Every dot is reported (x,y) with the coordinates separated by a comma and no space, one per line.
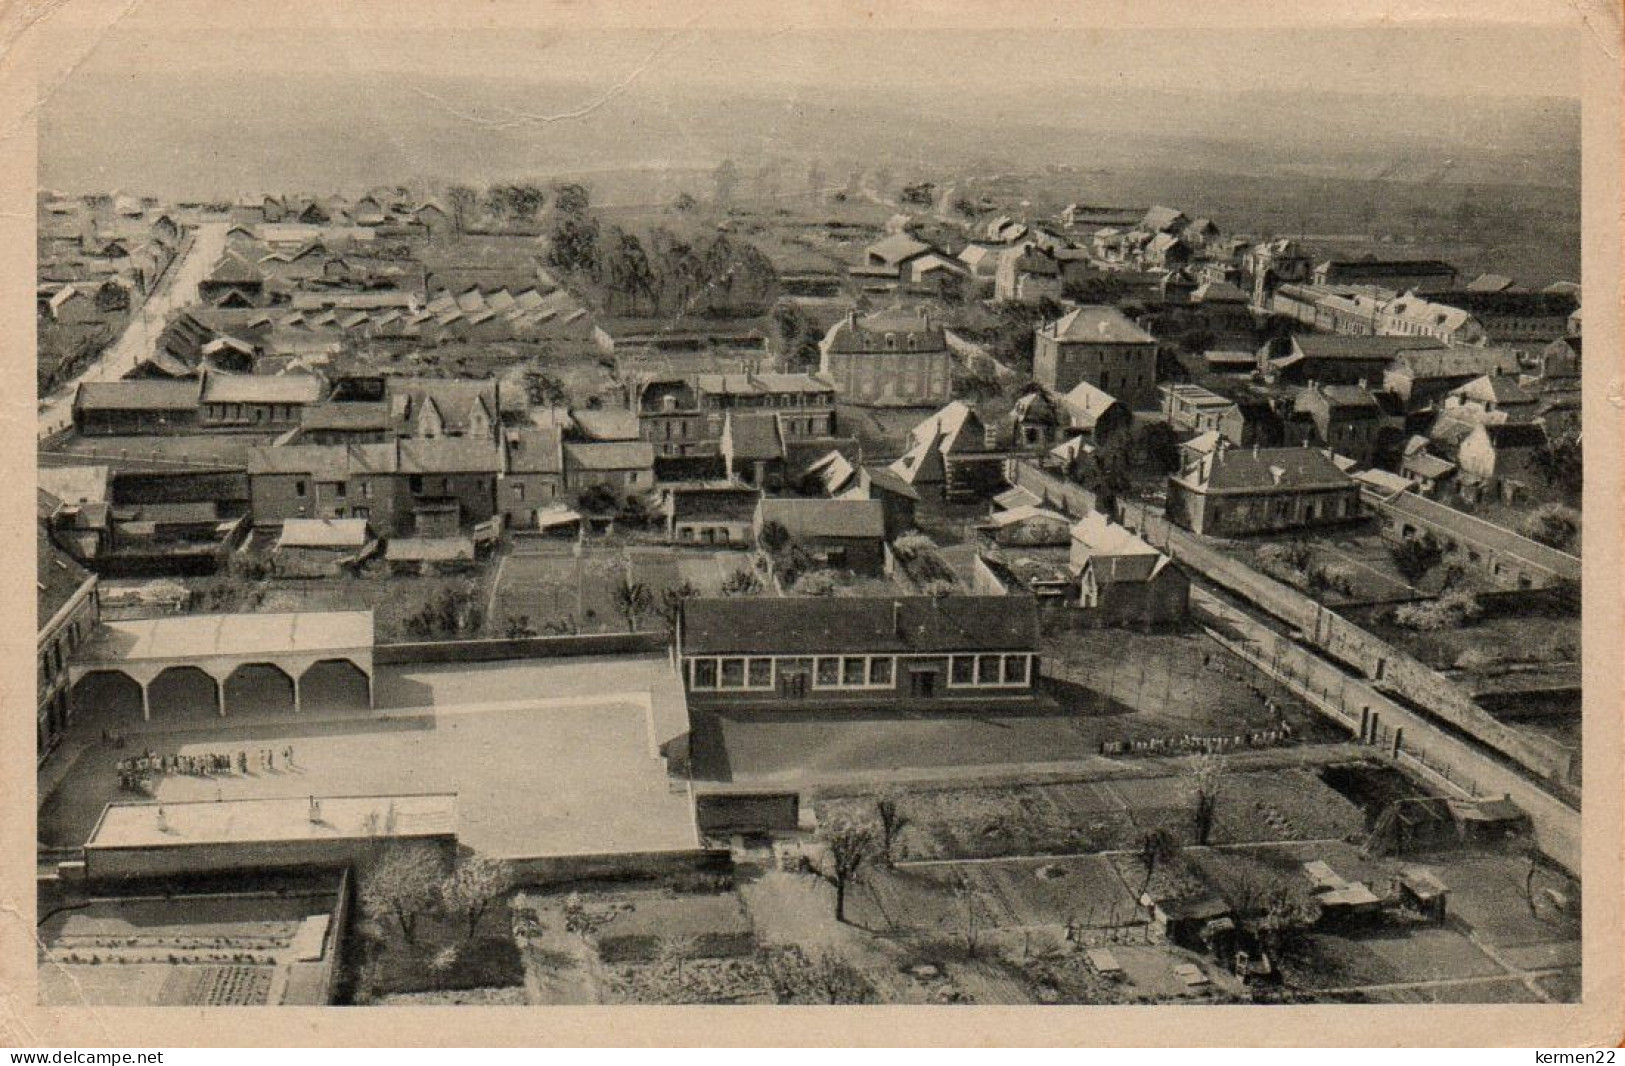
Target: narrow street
(177,289)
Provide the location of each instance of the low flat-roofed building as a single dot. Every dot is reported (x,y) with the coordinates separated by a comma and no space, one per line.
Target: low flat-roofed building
(212,836)
(971,650)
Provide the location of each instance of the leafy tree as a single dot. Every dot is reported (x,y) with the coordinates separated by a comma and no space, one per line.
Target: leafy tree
(774,537)
(816,583)
(684,204)
(572,244)
(1562,465)
(633,599)
(1156,448)
(1553,525)
(851,845)
(571,198)
(545,390)
(402,884)
(521,202)
(1416,556)
(518,627)
(742,582)
(475,882)
(112,297)
(449,613)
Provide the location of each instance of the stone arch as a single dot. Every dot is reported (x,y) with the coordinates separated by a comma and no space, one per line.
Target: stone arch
(334,685)
(183,692)
(259,688)
(107,698)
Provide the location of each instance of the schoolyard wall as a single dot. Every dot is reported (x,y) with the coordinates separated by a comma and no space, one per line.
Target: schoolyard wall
(483,651)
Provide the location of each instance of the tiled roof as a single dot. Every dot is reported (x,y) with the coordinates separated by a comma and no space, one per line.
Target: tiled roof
(876,625)
(449,455)
(754,435)
(59,577)
(611,455)
(262,388)
(1252,470)
(1099,325)
(137,396)
(826,518)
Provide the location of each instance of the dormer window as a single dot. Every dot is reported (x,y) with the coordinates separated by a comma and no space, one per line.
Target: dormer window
(891,342)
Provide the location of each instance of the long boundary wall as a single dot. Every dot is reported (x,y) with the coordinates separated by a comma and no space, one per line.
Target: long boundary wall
(1389,667)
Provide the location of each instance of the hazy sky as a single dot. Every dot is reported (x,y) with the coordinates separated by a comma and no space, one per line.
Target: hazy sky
(1389,48)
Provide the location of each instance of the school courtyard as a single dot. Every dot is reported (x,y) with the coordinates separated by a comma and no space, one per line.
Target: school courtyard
(547,757)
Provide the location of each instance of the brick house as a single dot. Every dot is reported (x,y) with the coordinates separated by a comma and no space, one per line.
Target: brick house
(1101,346)
(1238,492)
(895,358)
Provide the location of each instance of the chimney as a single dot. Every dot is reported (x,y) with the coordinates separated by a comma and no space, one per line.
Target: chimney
(852,318)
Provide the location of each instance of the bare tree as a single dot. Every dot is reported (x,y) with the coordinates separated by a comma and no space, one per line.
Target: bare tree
(1157,849)
(674,951)
(972,917)
(888,808)
(633,599)
(851,845)
(473,885)
(1207,783)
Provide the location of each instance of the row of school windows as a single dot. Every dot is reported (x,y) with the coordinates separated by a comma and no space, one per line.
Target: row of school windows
(235,412)
(762,673)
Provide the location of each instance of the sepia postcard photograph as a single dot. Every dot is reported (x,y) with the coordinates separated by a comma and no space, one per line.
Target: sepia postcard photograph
(553,506)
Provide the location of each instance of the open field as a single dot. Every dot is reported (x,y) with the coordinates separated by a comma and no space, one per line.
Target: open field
(1080,817)
(1134,686)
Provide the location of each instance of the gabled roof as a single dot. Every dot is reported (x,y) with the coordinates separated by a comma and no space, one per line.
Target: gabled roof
(1268,469)
(717,502)
(449,455)
(534,451)
(1159,218)
(59,577)
(1098,324)
(324,461)
(1375,349)
(611,455)
(1494,388)
(799,625)
(1514,434)
(607,423)
(753,435)
(826,519)
(262,388)
(323,533)
(137,395)
(885,481)
(1443,363)
(897,248)
(1086,404)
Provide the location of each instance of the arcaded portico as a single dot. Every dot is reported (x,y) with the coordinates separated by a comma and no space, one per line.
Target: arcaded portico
(219,664)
